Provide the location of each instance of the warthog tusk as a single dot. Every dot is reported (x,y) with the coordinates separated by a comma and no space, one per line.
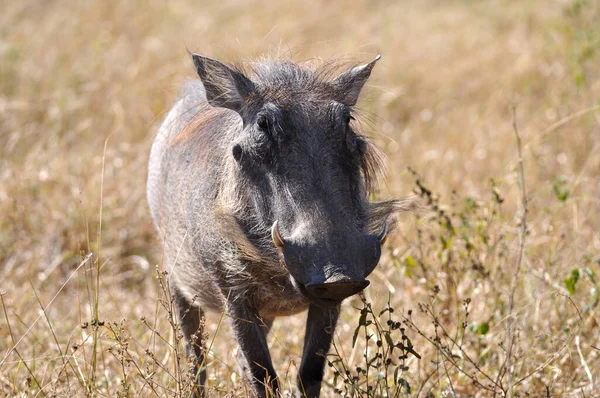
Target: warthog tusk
(277,240)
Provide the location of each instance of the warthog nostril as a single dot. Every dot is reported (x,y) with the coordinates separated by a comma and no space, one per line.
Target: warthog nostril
(336,290)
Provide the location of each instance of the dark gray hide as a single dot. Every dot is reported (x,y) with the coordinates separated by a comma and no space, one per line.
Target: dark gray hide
(258,184)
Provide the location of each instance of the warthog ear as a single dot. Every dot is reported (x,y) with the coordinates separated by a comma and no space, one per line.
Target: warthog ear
(225,87)
(349,83)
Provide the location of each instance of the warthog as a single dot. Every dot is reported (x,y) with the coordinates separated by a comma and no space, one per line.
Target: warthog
(258,183)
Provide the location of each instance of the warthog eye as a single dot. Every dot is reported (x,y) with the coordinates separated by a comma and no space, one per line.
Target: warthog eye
(263,123)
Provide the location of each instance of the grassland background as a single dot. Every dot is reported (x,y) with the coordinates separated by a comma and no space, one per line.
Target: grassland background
(84,84)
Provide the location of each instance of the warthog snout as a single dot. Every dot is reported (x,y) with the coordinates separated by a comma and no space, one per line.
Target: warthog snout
(335,291)
(323,282)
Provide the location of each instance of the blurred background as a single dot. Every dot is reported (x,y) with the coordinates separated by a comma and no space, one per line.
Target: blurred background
(85,84)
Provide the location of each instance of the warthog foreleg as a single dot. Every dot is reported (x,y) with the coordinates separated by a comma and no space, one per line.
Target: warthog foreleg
(319,333)
(244,369)
(250,333)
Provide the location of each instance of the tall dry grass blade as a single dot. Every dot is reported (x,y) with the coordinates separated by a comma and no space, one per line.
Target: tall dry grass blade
(522,235)
(95,314)
(584,363)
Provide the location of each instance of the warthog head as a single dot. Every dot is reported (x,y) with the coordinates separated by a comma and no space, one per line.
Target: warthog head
(304,171)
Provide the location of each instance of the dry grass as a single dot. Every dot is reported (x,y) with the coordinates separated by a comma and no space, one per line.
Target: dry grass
(83,86)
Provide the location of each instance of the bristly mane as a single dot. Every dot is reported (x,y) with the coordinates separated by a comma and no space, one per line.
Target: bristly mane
(289,77)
